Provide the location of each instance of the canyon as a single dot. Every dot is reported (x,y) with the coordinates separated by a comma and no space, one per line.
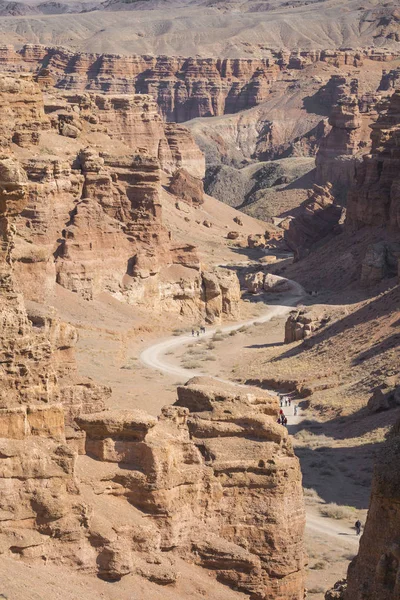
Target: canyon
(200,234)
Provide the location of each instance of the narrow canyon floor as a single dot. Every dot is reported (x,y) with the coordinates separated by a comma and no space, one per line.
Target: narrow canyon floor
(336,451)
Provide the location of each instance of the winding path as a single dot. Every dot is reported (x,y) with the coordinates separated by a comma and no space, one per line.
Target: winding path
(155,357)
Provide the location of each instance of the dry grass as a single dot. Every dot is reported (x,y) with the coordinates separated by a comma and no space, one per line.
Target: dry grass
(191,364)
(218,337)
(319,565)
(335,511)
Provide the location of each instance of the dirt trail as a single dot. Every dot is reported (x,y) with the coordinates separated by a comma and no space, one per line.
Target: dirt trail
(155,357)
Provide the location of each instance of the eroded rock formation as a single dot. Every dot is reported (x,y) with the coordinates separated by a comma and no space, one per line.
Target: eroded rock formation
(92,220)
(318,217)
(184,88)
(212,472)
(375,572)
(374,200)
(301,324)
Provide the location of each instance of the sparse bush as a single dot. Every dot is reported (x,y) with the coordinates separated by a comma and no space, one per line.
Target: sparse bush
(211,346)
(191,365)
(319,565)
(316,590)
(218,337)
(210,358)
(233,332)
(335,511)
(243,328)
(310,493)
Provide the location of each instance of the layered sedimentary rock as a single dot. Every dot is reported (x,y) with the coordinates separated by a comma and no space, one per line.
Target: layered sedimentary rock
(375,572)
(318,217)
(335,160)
(301,324)
(374,200)
(23,115)
(184,88)
(92,220)
(340,152)
(132,119)
(187,188)
(212,472)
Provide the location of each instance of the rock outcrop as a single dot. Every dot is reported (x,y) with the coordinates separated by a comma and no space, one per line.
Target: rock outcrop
(374,200)
(317,218)
(211,473)
(335,160)
(301,324)
(187,188)
(92,220)
(375,572)
(184,88)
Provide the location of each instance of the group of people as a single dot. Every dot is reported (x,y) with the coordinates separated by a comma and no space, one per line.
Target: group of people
(199,331)
(287,401)
(282,419)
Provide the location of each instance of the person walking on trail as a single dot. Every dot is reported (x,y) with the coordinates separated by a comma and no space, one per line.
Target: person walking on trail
(284,421)
(198,333)
(358,526)
(295,410)
(193,332)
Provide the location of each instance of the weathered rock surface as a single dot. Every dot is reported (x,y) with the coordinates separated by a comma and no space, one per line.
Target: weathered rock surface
(212,471)
(384,397)
(92,221)
(187,188)
(374,200)
(335,160)
(374,572)
(184,88)
(301,324)
(318,217)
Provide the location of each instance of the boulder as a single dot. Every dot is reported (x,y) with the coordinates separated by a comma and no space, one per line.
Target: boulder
(187,188)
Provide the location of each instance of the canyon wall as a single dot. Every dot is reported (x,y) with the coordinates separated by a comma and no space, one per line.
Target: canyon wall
(92,220)
(218,477)
(375,572)
(340,152)
(184,88)
(214,479)
(374,199)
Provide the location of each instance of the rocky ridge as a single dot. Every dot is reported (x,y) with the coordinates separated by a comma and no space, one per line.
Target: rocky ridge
(92,221)
(184,88)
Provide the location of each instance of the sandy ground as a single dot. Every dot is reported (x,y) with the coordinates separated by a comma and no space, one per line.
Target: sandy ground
(331,542)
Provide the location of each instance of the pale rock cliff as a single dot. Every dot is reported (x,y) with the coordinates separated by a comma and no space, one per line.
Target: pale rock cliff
(211,473)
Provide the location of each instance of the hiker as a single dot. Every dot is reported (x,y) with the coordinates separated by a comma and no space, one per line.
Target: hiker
(295,410)
(193,332)
(198,333)
(284,421)
(289,401)
(358,526)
